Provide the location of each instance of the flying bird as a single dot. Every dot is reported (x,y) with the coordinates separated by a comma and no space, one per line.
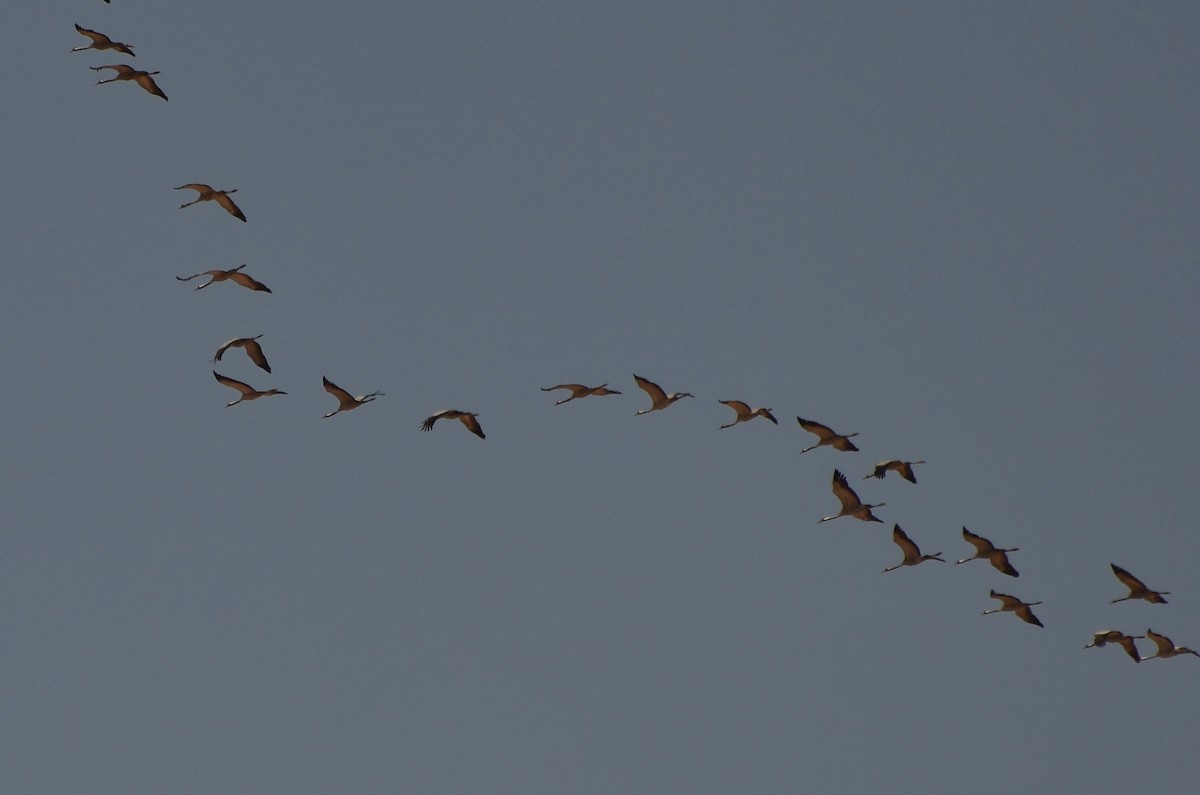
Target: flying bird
(1137,588)
(745,413)
(125,72)
(207,193)
(1011,604)
(827,436)
(250,346)
(851,504)
(248,392)
(467,418)
(101,42)
(994,555)
(1120,638)
(580,391)
(1166,647)
(233,274)
(903,468)
(659,399)
(346,401)
(912,553)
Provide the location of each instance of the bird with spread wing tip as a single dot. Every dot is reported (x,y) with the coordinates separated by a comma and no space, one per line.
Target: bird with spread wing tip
(1011,604)
(1166,647)
(851,504)
(580,391)
(903,468)
(346,401)
(233,274)
(208,193)
(467,418)
(1106,636)
(745,413)
(912,553)
(250,346)
(658,398)
(101,42)
(1137,588)
(126,72)
(985,550)
(827,436)
(248,392)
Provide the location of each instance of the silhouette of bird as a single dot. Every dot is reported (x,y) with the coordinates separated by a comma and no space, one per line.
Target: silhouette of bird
(994,555)
(851,504)
(827,436)
(1011,604)
(233,274)
(125,72)
(745,413)
(580,391)
(659,399)
(1116,636)
(467,418)
(250,346)
(101,42)
(912,553)
(903,468)
(1166,647)
(248,392)
(1137,588)
(346,401)
(208,193)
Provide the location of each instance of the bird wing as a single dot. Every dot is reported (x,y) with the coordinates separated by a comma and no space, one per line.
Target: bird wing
(845,494)
(472,424)
(906,471)
(221,351)
(650,388)
(342,395)
(244,388)
(1127,643)
(255,352)
(246,280)
(911,551)
(230,207)
(1163,643)
(1008,601)
(980,543)
(432,418)
(822,431)
(119,68)
(742,409)
(199,187)
(576,389)
(1025,613)
(767,413)
(147,82)
(999,561)
(1130,582)
(95,36)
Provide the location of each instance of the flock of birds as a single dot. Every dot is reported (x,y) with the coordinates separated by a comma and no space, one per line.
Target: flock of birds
(851,504)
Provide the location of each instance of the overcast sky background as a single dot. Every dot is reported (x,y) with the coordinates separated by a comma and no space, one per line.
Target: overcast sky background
(966,231)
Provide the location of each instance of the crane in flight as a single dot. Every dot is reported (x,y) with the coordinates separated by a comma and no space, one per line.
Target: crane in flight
(985,550)
(1011,604)
(248,392)
(1166,647)
(208,193)
(101,42)
(346,401)
(851,504)
(912,553)
(580,391)
(1137,588)
(903,468)
(467,418)
(233,274)
(827,436)
(658,398)
(745,413)
(1105,636)
(250,346)
(126,72)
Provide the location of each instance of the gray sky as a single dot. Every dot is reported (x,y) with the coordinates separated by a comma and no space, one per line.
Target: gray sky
(965,231)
